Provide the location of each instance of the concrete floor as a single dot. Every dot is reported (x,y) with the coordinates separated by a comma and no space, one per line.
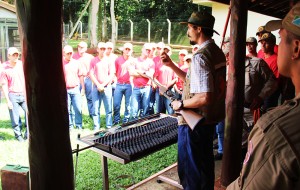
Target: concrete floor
(152,184)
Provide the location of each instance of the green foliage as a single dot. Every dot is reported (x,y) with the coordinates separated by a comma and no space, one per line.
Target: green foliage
(72,9)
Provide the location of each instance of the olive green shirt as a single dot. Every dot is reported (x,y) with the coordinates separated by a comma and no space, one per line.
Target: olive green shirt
(273,157)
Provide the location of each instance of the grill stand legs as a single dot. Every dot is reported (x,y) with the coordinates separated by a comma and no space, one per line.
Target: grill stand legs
(105,172)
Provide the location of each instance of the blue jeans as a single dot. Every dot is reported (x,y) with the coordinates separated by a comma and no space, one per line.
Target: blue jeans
(195,157)
(162,104)
(126,90)
(220,132)
(106,96)
(140,101)
(17,100)
(74,101)
(152,101)
(88,94)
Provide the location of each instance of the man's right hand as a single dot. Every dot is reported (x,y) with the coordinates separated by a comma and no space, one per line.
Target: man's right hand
(100,88)
(166,60)
(9,105)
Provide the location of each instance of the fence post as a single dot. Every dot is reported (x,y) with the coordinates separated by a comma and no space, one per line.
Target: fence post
(80,25)
(149,30)
(71,25)
(116,30)
(169,31)
(131,30)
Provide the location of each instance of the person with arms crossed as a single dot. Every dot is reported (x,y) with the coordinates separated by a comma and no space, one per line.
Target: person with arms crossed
(200,93)
(274,142)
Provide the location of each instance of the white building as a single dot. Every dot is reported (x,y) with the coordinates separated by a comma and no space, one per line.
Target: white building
(220,12)
(9,35)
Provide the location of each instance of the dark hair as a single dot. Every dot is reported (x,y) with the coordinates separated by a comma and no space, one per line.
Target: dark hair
(207,32)
(291,36)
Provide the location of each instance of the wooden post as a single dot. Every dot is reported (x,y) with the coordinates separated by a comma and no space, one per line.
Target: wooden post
(231,163)
(50,155)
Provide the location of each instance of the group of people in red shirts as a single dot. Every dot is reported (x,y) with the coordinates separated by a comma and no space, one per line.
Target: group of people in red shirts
(107,78)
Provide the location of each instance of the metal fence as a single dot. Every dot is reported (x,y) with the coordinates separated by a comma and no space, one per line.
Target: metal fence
(142,31)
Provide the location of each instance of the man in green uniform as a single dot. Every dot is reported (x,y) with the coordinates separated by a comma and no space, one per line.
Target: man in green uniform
(273,157)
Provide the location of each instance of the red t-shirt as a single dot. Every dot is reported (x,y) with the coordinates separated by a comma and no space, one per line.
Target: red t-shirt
(13,77)
(76,56)
(260,53)
(272,62)
(102,69)
(163,74)
(180,82)
(122,70)
(143,65)
(72,72)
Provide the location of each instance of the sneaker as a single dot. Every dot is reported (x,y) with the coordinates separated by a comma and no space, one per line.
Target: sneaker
(20,139)
(115,123)
(125,120)
(218,156)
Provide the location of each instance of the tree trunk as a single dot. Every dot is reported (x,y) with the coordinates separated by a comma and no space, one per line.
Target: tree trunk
(113,22)
(94,23)
(104,28)
(50,154)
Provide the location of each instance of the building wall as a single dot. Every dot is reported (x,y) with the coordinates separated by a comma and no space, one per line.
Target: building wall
(4,13)
(255,20)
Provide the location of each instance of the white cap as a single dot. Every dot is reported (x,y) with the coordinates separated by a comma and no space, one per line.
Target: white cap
(147,46)
(188,56)
(82,44)
(101,45)
(168,47)
(183,51)
(12,50)
(109,45)
(68,49)
(160,45)
(127,45)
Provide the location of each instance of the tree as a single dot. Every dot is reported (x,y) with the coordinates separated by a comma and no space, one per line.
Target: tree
(113,22)
(93,23)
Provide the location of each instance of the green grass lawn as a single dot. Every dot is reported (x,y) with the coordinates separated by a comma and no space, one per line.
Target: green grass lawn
(89,173)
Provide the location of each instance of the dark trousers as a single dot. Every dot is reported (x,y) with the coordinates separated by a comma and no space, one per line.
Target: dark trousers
(195,157)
